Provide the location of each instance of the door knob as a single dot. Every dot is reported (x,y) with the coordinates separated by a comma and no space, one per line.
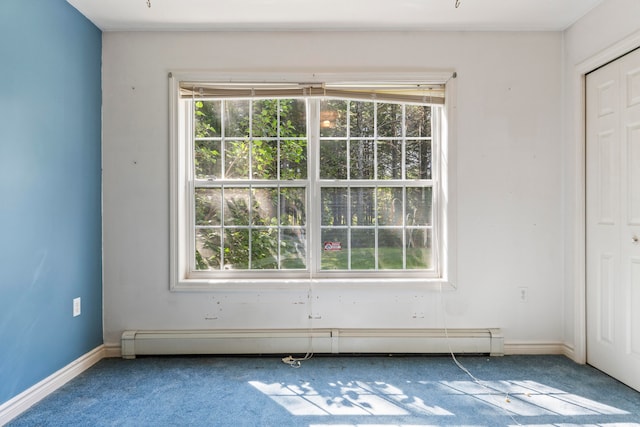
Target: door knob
(634,239)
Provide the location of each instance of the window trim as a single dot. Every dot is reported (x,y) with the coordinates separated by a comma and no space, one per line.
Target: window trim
(444,199)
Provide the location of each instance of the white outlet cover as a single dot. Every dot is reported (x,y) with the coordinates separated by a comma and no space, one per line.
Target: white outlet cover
(76,307)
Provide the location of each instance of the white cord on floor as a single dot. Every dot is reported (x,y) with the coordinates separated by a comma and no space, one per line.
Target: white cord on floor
(507,399)
(296,362)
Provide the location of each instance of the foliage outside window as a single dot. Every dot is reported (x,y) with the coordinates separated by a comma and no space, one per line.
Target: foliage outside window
(251,184)
(311,186)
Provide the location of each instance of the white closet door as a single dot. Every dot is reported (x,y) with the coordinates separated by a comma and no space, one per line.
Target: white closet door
(613,219)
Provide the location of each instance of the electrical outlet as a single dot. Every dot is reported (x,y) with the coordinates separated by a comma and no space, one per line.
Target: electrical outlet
(76,307)
(523,294)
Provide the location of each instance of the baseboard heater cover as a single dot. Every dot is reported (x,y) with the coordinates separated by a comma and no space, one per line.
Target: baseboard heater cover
(329,341)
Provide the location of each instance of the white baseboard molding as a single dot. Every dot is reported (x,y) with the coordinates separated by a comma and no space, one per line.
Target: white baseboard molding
(112,351)
(569,351)
(536,348)
(23,401)
(330,341)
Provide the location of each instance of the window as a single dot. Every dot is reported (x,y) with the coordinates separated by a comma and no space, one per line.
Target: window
(376,187)
(250,184)
(299,181)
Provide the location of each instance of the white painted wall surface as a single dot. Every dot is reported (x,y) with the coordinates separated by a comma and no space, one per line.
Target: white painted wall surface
(604,33)
(509,182)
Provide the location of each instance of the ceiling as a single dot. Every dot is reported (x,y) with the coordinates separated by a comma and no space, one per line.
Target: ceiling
(359,15)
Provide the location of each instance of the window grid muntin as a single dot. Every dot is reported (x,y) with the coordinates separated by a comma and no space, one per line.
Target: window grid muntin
(312,159)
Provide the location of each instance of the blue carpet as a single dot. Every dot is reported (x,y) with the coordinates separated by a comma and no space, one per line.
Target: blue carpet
(363,391)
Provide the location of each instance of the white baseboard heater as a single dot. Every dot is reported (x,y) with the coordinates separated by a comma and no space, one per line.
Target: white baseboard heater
(318,341)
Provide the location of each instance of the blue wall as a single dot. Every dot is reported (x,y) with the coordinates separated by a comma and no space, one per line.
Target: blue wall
(50,189)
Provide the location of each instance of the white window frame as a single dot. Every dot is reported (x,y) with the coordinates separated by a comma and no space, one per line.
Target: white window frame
(181,277)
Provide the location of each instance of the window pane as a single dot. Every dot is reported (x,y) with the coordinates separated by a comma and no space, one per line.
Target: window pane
(333,118)
(207,119)
(236,249)
(208,249)
(236,159)
(418,121)
(293,118)
(419,249)
(390,249)
(264,159)
(374,213)
(335,249)
(236,118)
(293,248)
(265,118)
(208,206)
(418,159)
(362,206)
(292,206)
(361,117)
(361,160)
(334,206)
(333,160)
(236,206)
(363,253)
(207,159)
(389,159)
(293,159)
(389,120)
(264,210)
(418,209)
(390,206)
(264,249)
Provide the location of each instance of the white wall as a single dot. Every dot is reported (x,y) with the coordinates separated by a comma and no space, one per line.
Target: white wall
(509,162)
(608,31)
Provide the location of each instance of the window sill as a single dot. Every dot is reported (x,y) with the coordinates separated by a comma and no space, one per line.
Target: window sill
(245,285)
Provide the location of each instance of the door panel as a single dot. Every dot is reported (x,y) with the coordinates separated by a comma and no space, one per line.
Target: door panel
(635,302)
(606,179)
(613,219)
(604,293)
(633,178)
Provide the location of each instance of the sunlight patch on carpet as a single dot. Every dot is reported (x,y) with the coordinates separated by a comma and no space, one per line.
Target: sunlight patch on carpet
(360,398)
